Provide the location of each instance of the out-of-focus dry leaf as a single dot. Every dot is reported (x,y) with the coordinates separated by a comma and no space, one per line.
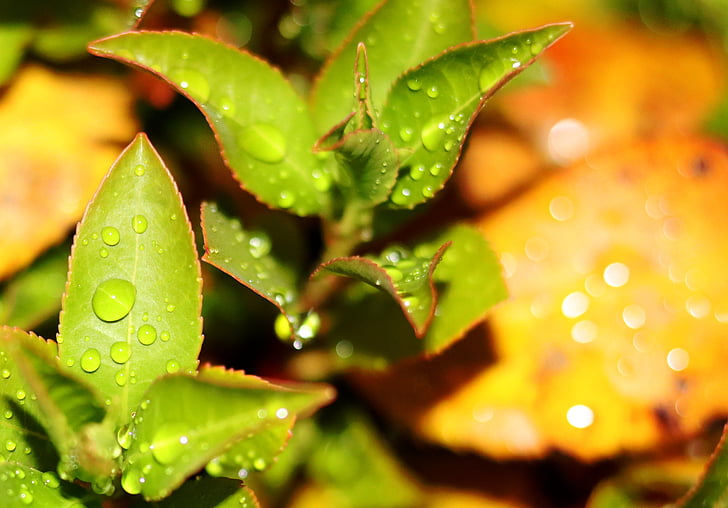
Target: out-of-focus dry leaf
(618,82)
(607,84)
(59,135)
(614,336)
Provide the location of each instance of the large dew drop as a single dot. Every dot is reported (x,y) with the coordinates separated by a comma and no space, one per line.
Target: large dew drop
(91,360)
(169,442)
(147,334)
(110,235)
(264,142)
(433,133)
(113,299)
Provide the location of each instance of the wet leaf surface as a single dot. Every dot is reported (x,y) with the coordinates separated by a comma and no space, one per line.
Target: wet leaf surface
(263,126)
(131,311)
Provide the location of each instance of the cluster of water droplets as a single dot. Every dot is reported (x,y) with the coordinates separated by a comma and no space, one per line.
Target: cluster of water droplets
(113,299)
(409,273)
(18,485)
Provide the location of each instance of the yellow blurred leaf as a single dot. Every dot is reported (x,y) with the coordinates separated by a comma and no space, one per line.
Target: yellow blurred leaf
(614,337)
(59,135)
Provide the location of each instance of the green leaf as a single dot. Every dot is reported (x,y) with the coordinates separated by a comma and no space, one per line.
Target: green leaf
(406,277)
(254,454)
(131,311)
(430,108)
(369,160)
(712,489)
(248,258)
(171,441)
(208,492)
(13,39)
(23,438)
(352,461)
(23,486)
(263,126)
(73,414)
(34,295)
(370,333)
(398,34)
(471,284)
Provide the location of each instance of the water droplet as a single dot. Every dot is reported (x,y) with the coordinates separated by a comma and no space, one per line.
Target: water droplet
(286,199)
(172,366)
(436,169)
(124,436)
(227,107)
(259,464)
(25,497)
(120,352)
(146,334)
(170,308)
(414,84)
(259,246)
(321,180)
(164,336)
(139,224)
(580,416)
(139,170)
(131,481)
(428,191)
(8,414)
(417,172)
(10,445)
(410,302)
(489,77)
(193,82)
(536,48)
(401,197)
(5,374)
(103,252)
(169,442)
(406,133)
(20,395)
(110,235)
(50,480)
(282,413)
(120,378)
(433,92)
(264,142)
(91,360)
(433,134)
(310,326)
(113,299)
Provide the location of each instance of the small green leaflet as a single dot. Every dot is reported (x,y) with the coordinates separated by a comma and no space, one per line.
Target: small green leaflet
(431,107)
(398,35)
(405,276)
